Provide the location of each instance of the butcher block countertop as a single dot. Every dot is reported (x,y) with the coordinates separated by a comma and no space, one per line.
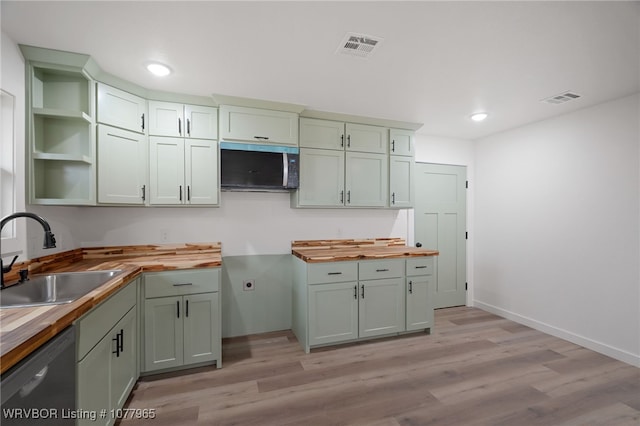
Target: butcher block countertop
(316,251)
(23,330)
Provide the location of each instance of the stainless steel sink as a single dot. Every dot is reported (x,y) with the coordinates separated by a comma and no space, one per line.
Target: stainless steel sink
(54,289)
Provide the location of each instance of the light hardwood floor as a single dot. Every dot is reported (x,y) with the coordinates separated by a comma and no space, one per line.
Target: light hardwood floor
(474,369)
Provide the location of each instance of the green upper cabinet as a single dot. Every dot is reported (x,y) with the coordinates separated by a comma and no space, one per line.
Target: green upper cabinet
(365,138)
(401,171)
(179,120)
(258,125)
(321,178)
(401,142)
(365,179)
(121,109)
(61,150)
(321,134)
(123,158)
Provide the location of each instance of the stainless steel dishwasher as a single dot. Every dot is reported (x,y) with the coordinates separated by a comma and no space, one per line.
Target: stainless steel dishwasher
(41,389)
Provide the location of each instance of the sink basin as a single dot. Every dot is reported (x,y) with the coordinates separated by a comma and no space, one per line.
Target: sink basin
(54,289)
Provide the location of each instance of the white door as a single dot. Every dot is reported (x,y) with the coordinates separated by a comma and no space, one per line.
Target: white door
(440,223)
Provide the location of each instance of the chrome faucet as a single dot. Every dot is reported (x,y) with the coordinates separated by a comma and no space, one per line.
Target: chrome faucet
(49,238)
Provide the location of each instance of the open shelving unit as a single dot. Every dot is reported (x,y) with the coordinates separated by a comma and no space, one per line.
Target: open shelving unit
(61,129)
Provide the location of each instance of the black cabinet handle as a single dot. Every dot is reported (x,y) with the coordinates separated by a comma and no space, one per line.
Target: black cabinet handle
(144,192)
(349,197)
(355,292)
(393,145)
(121,334)
(186,310)
(410,287)
(421,267)
(188,192)
(179,126)
(334,273)
(180,192)
(382,270)
(349,141)
(117,340)
(181,284)
(342,196)
(142,122)
(264,138)
(342,141)
(178,306)
(363,291)
(188,127)
(393,198)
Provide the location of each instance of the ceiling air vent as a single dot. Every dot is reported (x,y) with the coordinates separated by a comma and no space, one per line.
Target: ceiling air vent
(359,45)
(561,98)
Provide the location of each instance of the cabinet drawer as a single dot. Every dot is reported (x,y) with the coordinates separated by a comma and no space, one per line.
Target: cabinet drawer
(378,269)
(420,266)
(97,323)
(177,283)
(333,272)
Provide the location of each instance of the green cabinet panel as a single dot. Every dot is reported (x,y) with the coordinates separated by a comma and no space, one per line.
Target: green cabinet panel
(333,313)
(419,302)
(321,134)
(381,310)
(123,166)
(93,387)
(121,109)
(163,333)
(401,142)
(166,167)
(366,138)
(401,177)
(201,338)
(201,172)
(321,178)
(366,179)
(124,369)
(258,125)
(201,122)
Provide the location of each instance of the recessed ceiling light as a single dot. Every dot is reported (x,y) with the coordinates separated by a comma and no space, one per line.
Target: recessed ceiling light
(479,116)
(158,69)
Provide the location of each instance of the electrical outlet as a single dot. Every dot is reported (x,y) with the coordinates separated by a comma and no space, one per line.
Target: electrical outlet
(249,285)
(164,235)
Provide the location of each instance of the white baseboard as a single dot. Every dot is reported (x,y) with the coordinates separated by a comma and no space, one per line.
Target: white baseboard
(602,348)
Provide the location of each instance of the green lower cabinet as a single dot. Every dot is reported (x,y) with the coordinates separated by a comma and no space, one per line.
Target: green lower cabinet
(107,372)
(381,309)
(182,319)
(419,302)
(333,313)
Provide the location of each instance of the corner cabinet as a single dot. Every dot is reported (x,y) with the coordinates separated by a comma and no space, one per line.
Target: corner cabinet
(182,319)
(183,154)
(60,128)
(336,302)
(258,125)
(123,150)
(107,355)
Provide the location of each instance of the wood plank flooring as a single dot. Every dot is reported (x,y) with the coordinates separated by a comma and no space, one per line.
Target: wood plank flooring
(474,369)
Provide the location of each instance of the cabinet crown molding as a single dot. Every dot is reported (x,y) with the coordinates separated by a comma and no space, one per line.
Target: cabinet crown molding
(358,119)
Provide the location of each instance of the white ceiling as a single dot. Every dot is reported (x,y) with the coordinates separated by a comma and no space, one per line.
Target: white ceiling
(439,61)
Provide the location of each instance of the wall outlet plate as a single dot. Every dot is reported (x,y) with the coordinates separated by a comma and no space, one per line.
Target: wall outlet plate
(249,285)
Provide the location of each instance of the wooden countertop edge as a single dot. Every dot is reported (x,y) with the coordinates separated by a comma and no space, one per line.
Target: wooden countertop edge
(62,316)
(319,257)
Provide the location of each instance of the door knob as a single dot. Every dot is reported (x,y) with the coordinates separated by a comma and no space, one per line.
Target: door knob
(418,244)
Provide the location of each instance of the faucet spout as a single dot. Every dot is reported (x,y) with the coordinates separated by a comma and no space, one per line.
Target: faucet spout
(49,238)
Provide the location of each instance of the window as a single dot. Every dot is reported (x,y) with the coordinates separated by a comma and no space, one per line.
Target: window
(7,169)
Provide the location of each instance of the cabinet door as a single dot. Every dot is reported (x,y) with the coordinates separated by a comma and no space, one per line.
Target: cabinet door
(201,328)
(166,119)
(364,138)
(166,168)
(122,166)
(258,125)
(366,179)
(400,181)
(333,313)
(201,171)
(121,109)
(201,122)
(124,371)
(381,308)
(163,333)
(401,142)
(322,134)
(321,178)
(419,303)
(93,391)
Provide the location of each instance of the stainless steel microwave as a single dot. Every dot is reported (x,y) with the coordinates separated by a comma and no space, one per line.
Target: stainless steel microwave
(254,167)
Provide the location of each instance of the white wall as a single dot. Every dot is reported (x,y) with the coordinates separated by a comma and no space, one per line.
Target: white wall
(557,219)
(12,81)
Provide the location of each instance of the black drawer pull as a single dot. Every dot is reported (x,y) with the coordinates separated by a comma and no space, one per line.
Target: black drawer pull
(181,284)
(334,273)
(382,270)
(421,267)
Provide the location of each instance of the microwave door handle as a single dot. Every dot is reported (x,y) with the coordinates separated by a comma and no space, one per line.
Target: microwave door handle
(285,168)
